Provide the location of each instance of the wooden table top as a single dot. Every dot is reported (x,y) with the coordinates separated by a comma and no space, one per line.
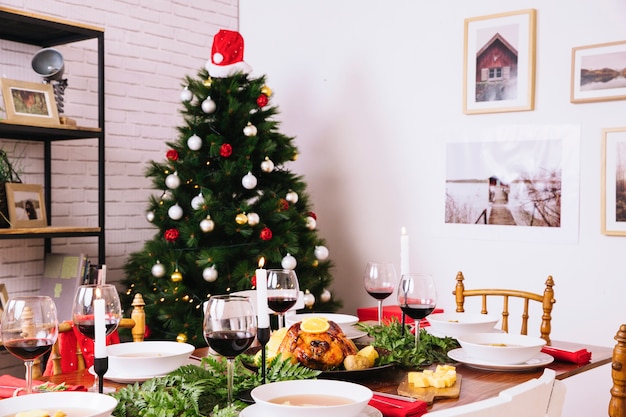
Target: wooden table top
(476,384)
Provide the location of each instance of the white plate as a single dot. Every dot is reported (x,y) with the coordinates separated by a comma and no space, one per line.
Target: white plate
(354,333)
(459,355)
(123,379)
(96,405)
(434,332)
(253,411)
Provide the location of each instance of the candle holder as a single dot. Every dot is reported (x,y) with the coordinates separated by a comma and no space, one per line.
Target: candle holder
(100,367)
(263,336)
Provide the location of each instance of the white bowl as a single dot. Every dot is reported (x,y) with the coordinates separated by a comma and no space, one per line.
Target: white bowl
(344,321)
(459,324)
(355,396)
(147,359)
(501,348)
(74,404)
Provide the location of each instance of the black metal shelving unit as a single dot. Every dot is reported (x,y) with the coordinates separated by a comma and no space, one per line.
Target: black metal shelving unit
(45,31)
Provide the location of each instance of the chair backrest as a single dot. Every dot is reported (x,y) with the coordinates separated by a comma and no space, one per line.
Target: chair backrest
(136,323)
(546,299)
(530,399)
(617,404)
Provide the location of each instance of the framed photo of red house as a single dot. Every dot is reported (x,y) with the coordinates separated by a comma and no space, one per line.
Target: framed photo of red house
(599,72)
(613,187)
(499,62)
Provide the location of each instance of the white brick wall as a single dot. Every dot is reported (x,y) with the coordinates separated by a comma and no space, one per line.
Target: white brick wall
(150,45)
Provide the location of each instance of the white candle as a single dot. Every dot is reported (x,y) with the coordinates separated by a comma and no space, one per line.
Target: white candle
(100,326)
(262,310)
(404,253)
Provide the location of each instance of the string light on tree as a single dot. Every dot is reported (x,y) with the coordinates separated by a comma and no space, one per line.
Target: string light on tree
(289,262)
(194,142)
(167,195)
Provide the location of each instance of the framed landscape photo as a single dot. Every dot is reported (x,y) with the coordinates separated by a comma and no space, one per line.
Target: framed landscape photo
(613,187)
(26,205)
(29,103)
(599,72)
(499,62)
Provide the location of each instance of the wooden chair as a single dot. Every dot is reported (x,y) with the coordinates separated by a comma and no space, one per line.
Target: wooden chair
(617,404)
(136,323)
(546,299)
(530,399)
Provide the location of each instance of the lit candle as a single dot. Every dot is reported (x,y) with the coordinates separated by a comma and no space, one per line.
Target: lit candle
(99,326)
(262,309)
(404,253)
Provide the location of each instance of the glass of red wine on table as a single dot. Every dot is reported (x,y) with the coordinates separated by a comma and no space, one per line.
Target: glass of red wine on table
(229,329)
(83,314)
(380,282)
(282,292)
(29,329)
(417,297)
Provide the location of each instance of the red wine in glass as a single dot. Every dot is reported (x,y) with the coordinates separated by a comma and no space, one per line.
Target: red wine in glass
(29,349)
(88,328)
(380,294)
(417,297)
(417,311)
(281,304)
(230,343)
(379,280)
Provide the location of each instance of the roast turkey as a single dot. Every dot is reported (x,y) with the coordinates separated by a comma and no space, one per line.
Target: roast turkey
(322,351)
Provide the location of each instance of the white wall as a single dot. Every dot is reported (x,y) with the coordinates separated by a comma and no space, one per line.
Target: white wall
(371,89)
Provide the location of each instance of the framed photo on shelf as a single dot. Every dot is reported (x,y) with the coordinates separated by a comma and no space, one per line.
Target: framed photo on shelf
(499,62)
(29,103)
(613,187)
(599,72)
(27,207)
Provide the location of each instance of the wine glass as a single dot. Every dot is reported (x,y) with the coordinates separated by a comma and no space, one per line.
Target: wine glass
(417,297)
(380,281)
(282,292)
(229,329)
(83,314)
(29,329)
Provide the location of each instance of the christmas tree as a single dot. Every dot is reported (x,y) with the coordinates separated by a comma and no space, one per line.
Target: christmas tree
(226,199)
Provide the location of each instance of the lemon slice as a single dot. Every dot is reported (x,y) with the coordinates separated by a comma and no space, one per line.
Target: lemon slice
(314,325)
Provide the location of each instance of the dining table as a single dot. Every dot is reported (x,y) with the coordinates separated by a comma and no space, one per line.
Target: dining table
(477,384)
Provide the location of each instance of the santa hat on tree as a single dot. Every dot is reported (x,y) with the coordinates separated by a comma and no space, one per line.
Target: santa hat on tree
(227,55)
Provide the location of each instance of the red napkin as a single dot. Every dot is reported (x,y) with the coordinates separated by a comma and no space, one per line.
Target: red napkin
(391,407)
(579,356)
(10,386)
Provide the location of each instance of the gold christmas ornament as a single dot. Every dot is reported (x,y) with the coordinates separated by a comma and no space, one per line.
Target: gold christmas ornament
(241,218)
(176,276)
(208,82)
(266,90)
(181,338)
(294,157)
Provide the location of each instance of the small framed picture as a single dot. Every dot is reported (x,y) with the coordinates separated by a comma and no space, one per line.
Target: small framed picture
(499,62)
(27,207)
(4,298)
(613,187)
(29,103)
(599,72)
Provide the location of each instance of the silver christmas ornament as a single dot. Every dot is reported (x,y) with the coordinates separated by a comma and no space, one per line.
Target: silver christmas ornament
(172,181)
(253,219)
(194,142)
(309,299)
(207,225)
(311,223)
(292,197)
(197,202)
(325,296)
(158,270)
(289,262)
(150,216)
(175,212)
(267,165)
(208,106)
(186,95)
(249,181)
(209,274)
(250,130)
(321,253)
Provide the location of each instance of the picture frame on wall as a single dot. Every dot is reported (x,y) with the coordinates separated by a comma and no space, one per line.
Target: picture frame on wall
(4,298)
(499,62)
(26,203)
(598,72)
(613,187)
(29,103)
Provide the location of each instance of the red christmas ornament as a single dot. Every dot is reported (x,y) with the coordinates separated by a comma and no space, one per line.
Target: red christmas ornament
(172,155)
(266,234)
(283,205)
(226,150)
(311,214)
(171,235)
(253,281)
(262,100)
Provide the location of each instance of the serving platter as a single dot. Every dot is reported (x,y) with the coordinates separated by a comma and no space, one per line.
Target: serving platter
(124,379)
(460,355)
(255,411)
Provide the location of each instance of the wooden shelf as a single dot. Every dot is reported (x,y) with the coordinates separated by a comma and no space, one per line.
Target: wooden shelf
(46,133)
(50,231)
